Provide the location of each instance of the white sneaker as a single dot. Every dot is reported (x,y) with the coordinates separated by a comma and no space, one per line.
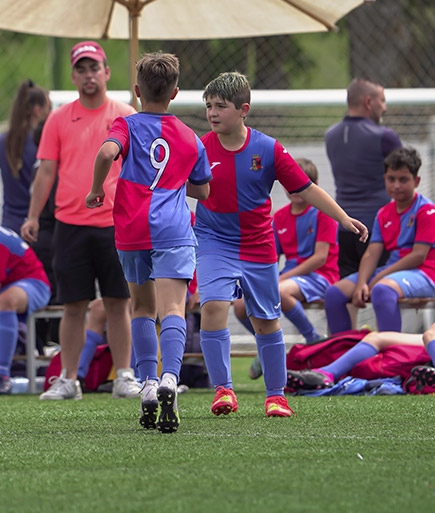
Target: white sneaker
(149,405)
(125,385)
(168,420)
(62,388)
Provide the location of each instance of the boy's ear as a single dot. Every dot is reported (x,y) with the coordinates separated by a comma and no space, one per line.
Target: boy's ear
(174,93)
(244,109)
(137,90)
(417,181)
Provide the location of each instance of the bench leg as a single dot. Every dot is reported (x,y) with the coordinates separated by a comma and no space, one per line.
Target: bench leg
(30,354)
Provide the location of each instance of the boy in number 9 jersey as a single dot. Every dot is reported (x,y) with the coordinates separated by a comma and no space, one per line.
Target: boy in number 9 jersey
(163,160)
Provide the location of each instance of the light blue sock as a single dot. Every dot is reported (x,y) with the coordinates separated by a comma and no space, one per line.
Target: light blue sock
(146,346)
(297,316)
(271,350)
(8,340)
(348,360)
(216,348)
(93,340)
(172,343)
(386,307)
(430,348)
(336,311)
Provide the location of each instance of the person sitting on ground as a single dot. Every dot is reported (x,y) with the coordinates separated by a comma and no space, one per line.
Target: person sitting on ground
(24,288)
(404,227)
(370,345)
(425,374)
(308,239)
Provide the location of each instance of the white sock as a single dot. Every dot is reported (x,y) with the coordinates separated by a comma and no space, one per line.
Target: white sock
(169,380)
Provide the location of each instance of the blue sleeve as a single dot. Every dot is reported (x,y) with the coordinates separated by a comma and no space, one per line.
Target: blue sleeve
(201,172)
(376,235)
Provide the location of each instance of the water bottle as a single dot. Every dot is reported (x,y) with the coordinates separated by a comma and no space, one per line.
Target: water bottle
(20,385)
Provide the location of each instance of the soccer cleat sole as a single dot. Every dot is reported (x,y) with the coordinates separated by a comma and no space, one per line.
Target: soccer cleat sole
(149,414)
(168,421)
(424,375)
(224,409)
(307,380)
(281,412)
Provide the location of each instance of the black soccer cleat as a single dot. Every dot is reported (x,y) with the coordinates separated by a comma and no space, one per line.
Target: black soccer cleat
(168,420)
(424,376)
(307,380)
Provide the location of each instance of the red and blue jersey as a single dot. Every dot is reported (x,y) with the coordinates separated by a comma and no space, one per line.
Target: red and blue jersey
(296,236)
(17,260)
(160,153)
(236,220)
(398,232)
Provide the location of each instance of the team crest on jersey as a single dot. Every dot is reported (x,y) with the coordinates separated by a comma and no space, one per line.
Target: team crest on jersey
(411,221)
(256,163)
(310,229)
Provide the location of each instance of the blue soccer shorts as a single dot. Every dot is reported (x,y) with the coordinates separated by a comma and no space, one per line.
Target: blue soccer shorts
(38,293)
(313,286)
(149,264)
(412,282)
(224,278)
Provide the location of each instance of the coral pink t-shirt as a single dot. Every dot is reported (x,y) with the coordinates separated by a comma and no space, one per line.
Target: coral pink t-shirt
(72,136)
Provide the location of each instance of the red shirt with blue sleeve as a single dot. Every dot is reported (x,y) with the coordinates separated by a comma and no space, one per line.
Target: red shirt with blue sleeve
(297,234)
(17,260)
(236,219)
(160,153)
(399,232)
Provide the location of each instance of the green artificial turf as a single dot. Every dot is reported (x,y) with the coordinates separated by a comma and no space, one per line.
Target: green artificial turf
(339,454)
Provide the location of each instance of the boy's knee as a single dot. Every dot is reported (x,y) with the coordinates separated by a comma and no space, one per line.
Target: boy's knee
(382,294)
(334,295)
(429,335)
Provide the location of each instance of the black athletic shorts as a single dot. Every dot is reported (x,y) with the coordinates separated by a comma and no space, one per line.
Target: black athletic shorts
(83,254)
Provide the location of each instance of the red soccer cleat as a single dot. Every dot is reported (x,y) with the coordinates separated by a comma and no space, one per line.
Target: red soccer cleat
(225,401)
(277,406)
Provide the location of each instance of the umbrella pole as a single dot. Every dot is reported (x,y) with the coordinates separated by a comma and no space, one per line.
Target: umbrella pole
(134,51)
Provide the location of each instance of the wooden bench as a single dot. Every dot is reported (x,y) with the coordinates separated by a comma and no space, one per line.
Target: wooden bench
(34,361)
(415,303)
(426,304)
(56,312)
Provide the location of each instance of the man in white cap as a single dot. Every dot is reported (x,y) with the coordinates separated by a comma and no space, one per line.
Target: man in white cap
(84,246)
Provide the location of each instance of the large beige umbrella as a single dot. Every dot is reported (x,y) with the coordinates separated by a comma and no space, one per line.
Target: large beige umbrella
(170,19)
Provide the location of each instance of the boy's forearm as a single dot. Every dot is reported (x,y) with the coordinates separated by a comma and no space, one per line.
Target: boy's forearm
(101,170)
(368,264)
(321,200)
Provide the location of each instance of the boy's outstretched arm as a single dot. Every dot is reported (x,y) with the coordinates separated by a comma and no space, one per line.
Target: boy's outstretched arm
(103,161)
(320,199)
